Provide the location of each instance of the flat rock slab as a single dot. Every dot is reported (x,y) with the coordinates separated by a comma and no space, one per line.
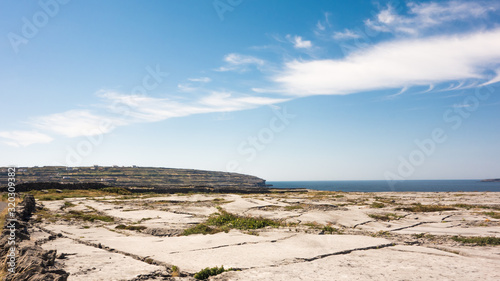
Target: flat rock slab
(89,263)
(233,249)
(449,229)
(392,263)
(264,254)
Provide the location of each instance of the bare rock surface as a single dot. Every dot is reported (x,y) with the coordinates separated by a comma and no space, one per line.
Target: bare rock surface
(322,236)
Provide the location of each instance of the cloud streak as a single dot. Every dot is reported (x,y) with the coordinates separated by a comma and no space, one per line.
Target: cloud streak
(422,16)
(24,138)
(396,64)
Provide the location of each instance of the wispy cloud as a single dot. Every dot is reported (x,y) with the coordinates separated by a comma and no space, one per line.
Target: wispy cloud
(201,79)
(24,138)
(121,110)
(422,16)
(72,123)
(322,25)
(237,62)
(346,34)
(299,43)
(396,64)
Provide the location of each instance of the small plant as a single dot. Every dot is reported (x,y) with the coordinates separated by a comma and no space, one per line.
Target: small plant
(131,227)
(175,271)
(381,233)
(475,206)
(495,215)
(293,207)
(88,216)
(207,272)
(67,205)
(419,208)
(200,229)
(478,240)
(331,230)
(424,236)
(225,221)
(377,205)
(385,217)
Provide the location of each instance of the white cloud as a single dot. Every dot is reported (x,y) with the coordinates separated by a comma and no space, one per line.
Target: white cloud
(346,34)
(225,102)
(73,123)
(24,138)
(396,64)
(322,25)
(237,62)
(200,79)
(149,109)
(425,15)
(186,88)
(299,43)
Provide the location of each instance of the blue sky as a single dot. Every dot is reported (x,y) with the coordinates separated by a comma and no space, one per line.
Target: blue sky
(284,90)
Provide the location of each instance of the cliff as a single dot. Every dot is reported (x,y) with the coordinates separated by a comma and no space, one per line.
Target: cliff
(132,178)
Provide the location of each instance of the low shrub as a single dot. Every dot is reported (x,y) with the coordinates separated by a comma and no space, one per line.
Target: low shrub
(207,272)
(419,208)
(478,240)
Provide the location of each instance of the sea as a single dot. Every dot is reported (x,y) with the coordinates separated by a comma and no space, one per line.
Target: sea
(384,186)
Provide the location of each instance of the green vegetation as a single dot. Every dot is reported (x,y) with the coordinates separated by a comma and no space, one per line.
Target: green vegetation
(53,194)
(381,233)
(495,215)
(131,227)
(385,217)
(224,221)
(331,230)
(293,207)
(116,190)
(201,229)
(377,205)
(475,206)
(67,205)
(324,228)
(419,208)
(207,272)
(87,216)
(424,236)
(477,240)
(175,271)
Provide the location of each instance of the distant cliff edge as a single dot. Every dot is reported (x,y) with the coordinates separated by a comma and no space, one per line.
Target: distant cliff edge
(491,180)
(133,178)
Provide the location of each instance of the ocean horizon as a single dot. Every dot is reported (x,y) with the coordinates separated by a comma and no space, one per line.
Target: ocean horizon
(384,186)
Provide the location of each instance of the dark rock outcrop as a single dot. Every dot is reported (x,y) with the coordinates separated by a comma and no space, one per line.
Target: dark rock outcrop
(32,263)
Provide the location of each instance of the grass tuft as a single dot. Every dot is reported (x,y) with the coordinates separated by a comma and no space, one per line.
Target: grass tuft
(419,208)
(377,205)
(207,272)
(88,216)
(385,217)
(495,215)
(224,221)
(131,227)
(477,240)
